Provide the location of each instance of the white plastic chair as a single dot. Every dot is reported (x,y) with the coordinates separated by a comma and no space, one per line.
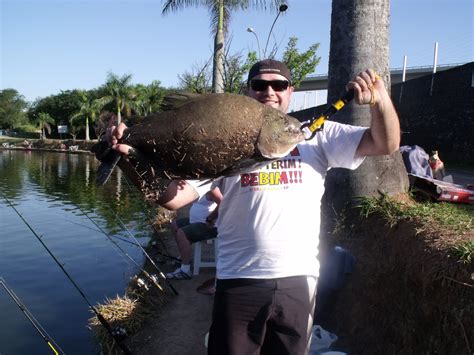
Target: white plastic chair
(198,263)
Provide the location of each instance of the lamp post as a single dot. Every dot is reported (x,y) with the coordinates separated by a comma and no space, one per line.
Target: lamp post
(282,8)
(251,30)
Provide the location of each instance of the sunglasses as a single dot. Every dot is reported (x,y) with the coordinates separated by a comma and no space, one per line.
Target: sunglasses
(262,85)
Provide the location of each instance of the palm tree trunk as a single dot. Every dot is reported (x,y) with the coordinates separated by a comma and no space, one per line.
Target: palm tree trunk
(360,40)
(218,67)
(87,130)
(119,115)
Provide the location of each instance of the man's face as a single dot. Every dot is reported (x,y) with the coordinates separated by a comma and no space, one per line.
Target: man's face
(273,98)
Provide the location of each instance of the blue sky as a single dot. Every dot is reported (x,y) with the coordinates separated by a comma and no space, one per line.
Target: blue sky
(53,45)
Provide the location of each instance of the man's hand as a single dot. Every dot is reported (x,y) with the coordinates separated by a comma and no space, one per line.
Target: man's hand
(383,137)
(113,135)
(368,88)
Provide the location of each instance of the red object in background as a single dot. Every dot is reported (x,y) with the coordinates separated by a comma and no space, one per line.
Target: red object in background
(441,190)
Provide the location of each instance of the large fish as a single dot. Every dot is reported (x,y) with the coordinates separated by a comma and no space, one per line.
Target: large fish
(205,137)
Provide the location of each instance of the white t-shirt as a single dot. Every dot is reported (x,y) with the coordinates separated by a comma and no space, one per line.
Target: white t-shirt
(269,219)
(201,209)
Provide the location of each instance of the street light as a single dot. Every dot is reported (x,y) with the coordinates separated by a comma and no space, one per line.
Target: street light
(251,30)
(282,8)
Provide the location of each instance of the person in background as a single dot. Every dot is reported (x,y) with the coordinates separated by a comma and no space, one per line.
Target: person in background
(197,227)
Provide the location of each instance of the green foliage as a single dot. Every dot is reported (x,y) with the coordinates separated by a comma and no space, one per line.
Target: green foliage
(213,7)
(197,80)
(456,217)
(465,252)
(119,90)
(61,106)
(149,97)
(44,121)
(300,64)
(235,69)
(220,12)
(89,110)
(12,109)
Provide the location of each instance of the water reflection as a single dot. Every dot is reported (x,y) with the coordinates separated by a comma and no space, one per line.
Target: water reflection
(50,190)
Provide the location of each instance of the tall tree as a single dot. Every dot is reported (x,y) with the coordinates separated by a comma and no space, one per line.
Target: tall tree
(220,11)
(119,90)
(360,40)
(300,64)
(61,106)
(44,122)
(89,110)
(149,97)
(12,108)
(236,67)
(197,80)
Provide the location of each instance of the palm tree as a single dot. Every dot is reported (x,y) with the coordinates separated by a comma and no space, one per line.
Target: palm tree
(119,90)
(220,17)
(359,40)
(44,121)
(149,97)
(89,110)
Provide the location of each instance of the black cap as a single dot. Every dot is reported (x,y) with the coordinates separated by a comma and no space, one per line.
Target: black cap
(269,66)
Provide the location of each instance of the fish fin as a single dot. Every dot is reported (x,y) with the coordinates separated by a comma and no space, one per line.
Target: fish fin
(108,158)
(106,167)
(178,99)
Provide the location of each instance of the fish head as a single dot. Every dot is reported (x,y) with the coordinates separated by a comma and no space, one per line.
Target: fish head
(279,134)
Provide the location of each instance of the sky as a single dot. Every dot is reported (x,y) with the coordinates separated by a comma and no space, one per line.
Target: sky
(52,45)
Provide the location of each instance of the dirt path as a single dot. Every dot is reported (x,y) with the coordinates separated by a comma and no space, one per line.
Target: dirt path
(181,325)
(182,322)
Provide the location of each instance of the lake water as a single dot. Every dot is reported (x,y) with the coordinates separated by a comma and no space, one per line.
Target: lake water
(51,190)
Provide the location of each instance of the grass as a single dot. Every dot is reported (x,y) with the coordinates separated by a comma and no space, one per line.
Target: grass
(456,218)
(126,314)
(465,252)
(7,139)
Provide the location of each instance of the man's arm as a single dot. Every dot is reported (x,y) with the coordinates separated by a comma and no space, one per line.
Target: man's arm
(383,137)
(178,194)
(215,195)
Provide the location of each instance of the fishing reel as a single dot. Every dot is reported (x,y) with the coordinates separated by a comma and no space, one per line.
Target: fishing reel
(142,283)
(119,333)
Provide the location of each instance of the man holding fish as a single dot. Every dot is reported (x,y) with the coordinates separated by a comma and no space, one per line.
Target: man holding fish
(267,268)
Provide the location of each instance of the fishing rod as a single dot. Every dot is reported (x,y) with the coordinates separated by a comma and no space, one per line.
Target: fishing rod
(46,337)
(125,240)
(168,256)
(147,212)
(146,255)
(316,124)
(96,230)
(150,277)
(100,317)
